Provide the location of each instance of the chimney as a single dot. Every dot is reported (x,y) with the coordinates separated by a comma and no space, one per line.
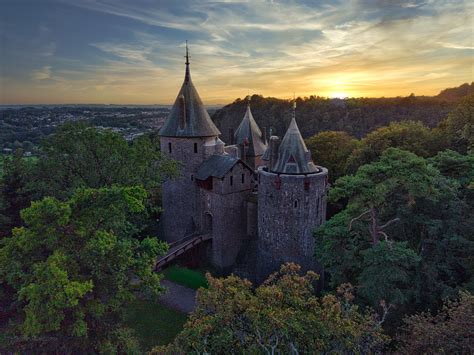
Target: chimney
(274,145)
(231,136)
(219,146)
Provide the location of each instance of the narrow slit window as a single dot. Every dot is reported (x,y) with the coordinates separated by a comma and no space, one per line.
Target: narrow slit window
(296,203)
(231,180)
(195,147)
(243,178)
(169,147)
(192,177)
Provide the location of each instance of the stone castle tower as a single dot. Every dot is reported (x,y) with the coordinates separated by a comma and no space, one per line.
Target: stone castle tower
(250,140)
(249,198)
(291,203)
(187,136)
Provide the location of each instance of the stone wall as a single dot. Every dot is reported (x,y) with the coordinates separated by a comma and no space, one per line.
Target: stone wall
(181,215)
(252,216)
(290,207)
(225,207)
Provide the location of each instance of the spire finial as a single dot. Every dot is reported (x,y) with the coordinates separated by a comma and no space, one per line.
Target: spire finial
(248,100)
(187,54)
(294,106)
(187,75)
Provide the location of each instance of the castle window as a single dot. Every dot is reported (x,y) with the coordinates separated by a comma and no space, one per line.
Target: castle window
(192,177)
(243,178)
(278,182)
(306,184)
(195,147)
(296,203)
(231,180)
(205,184)
(169,147)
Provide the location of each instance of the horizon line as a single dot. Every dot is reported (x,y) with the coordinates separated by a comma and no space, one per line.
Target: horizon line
(216,104)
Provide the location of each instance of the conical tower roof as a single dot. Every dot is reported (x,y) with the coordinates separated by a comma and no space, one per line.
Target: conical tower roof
(188,117)
(293,156)
(249,133)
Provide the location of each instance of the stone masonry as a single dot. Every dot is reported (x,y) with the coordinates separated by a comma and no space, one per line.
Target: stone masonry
(266,203)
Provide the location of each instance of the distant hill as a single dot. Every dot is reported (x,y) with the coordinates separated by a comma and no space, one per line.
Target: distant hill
(454,94)
(357,116)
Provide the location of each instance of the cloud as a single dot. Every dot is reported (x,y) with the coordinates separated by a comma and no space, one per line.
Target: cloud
(42,74)
(129,53)
(363,47)
(48,50)
(144,12)
(455,46)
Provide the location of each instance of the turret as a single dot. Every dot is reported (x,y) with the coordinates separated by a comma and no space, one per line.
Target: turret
(250,140)
(293,156)
(291,203)
(188,136)
(188,117)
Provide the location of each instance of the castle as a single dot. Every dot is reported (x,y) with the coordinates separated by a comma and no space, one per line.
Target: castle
(253,197)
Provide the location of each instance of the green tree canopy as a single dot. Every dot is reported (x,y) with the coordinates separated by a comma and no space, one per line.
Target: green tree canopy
(405,235)
(79,156)
(83,156)
(411,136)
(331,150)
(455,166)
(74,266)
(15,192)
(459,126)
(280,316)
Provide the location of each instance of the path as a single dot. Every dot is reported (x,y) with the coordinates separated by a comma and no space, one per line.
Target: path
(178,297)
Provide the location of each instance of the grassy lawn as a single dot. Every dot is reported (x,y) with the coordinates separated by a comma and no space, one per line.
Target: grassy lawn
(186,277)
(153,323)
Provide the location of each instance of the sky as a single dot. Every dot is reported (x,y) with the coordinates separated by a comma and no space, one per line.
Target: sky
(132,51)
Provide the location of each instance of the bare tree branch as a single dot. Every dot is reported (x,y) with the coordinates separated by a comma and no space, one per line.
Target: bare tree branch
(389,223)
(384,234)
(355,219)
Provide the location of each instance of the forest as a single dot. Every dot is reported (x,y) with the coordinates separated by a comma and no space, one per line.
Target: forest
(356,116)
(79,237)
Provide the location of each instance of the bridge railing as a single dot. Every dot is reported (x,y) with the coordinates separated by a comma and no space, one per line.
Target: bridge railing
(182,240)
(187,243)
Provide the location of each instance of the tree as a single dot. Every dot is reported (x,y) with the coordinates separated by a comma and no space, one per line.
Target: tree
(447,332)
(15,192)
(28,146)
(83,156)
(280,316)
(409,135)
(74,267)
(331,150)
(455,166)
(459,126)
(356,116)
(79,156)
(404,237)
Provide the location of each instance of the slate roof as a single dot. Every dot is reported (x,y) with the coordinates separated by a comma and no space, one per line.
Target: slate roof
(217,166)
(267,155)
(188,117)
(268,152)
(249,131)
(293,156)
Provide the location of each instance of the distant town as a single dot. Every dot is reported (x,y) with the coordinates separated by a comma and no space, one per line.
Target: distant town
(25,126)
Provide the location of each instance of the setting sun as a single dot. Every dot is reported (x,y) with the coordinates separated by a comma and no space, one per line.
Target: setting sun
(348,53)
(338,95)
